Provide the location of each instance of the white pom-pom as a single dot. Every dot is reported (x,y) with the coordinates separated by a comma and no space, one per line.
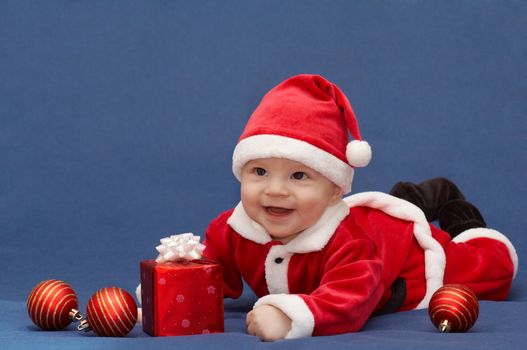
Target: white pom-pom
(358,153)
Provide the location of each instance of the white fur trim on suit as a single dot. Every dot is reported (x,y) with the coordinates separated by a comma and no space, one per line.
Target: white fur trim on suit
(246,227)
(435,259)
(302,320)
(276,270)
(482,232)
(312,239)
(317,236)
(274,146)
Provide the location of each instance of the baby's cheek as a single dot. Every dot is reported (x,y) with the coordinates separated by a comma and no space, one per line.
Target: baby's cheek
(251,206)
(247,195)
(313,208)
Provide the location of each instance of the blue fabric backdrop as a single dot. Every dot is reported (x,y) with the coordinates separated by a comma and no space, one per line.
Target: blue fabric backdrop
(118,120)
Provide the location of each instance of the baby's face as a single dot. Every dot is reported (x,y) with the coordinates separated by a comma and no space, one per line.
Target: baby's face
(284,196)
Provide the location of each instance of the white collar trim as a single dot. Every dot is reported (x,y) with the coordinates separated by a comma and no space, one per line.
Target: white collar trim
(312,239)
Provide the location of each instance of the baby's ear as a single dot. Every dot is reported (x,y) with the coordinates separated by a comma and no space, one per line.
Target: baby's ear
(337,195)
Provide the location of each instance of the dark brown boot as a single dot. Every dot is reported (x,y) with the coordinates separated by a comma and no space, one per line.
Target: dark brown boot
(459,215)
(429,195)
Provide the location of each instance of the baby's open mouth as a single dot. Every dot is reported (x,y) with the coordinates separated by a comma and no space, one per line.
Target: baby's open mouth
(277,211)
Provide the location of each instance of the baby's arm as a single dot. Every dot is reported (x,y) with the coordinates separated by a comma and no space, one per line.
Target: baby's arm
(349,290)
(219,248)
(268,323)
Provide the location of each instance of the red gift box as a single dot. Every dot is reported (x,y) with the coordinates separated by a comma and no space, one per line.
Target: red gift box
(182,298)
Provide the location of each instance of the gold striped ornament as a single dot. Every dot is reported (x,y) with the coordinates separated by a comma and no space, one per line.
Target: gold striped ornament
(52,305)
(111,312)
(453,308)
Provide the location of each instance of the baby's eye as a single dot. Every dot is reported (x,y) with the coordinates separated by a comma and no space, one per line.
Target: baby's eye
(260,171)
(299,175)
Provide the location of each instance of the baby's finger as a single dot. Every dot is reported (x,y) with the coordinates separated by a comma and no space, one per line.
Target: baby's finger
(251,329)
(249,318)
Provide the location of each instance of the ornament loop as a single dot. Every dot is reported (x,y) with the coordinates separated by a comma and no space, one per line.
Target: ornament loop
(84,326)
(75,315)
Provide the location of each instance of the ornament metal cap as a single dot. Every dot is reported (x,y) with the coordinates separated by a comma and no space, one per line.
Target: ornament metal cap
(75,315)
(444,326)
(84,326)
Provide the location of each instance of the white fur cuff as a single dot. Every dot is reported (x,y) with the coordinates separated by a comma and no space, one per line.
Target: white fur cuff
(481,232)
(302,320)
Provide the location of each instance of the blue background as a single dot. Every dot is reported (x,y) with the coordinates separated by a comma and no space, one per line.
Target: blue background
(118,120)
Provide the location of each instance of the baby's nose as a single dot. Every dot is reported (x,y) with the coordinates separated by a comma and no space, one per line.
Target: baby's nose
(277,187)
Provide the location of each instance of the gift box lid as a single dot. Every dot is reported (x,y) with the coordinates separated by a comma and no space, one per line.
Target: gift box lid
(184,264)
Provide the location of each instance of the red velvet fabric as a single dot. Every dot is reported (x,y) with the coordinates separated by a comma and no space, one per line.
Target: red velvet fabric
(345,282)
(308,108)
(482,264)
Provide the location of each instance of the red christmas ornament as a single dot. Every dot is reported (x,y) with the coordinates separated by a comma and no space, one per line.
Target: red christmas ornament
(111,312)
(453,308)
(52,305)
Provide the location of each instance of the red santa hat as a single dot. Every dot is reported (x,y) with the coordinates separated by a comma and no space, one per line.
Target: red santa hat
(306,119)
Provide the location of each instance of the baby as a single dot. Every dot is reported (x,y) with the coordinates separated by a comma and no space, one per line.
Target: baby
(322,264)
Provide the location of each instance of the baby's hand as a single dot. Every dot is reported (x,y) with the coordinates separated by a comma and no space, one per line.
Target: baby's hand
(268,323)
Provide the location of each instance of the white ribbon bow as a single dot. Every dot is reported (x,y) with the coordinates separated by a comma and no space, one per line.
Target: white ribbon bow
(184,246)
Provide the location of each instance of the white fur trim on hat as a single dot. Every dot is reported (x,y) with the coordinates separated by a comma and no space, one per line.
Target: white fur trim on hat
(302,319)
(482,232)
(358,153)
(274,146)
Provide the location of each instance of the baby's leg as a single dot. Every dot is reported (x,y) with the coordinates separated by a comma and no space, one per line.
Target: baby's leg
(484,260)
(441,200)
(429,195)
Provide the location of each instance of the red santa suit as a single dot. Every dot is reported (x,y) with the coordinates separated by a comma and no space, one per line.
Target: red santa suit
(333,276)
